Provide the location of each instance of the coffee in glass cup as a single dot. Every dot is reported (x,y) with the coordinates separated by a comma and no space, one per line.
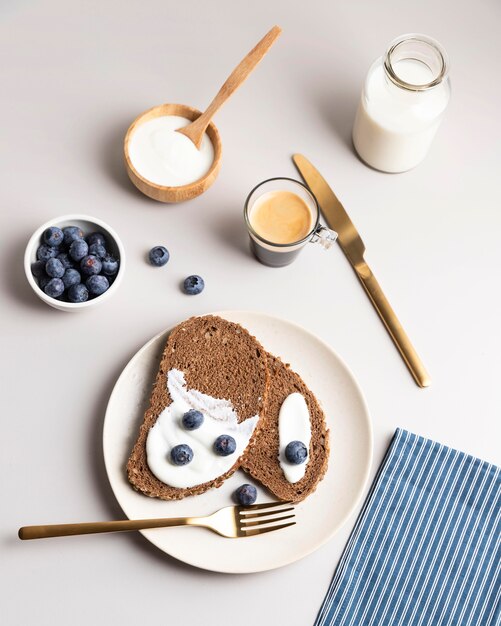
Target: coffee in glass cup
(282,215)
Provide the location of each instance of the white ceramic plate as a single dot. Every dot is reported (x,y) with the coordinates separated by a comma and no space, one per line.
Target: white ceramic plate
(318,517)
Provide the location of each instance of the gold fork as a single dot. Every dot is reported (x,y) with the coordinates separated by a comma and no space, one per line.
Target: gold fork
(232,521)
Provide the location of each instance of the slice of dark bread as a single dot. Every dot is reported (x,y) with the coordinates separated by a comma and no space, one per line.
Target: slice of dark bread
(262,463)
(218,358)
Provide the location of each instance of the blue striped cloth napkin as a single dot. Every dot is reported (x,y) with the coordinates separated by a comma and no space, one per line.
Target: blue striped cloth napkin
(425,550)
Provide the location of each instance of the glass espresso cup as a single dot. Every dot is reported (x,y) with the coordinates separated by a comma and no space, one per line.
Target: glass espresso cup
(292,218)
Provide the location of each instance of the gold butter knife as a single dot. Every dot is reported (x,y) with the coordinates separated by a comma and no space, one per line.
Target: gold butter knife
(353,247)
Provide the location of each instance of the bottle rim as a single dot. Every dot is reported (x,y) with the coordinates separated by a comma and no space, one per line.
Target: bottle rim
(433,44)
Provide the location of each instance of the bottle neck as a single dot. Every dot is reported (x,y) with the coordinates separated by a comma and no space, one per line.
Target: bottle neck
(415,63)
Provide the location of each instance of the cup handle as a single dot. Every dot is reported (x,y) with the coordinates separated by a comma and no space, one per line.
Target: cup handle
(325,237)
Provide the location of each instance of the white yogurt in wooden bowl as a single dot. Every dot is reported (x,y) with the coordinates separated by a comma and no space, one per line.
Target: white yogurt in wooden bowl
(166,165)
(166,157)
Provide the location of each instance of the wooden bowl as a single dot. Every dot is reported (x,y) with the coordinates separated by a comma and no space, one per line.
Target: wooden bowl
(183,192)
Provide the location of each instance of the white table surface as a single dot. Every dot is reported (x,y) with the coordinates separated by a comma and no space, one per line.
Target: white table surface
(73,75)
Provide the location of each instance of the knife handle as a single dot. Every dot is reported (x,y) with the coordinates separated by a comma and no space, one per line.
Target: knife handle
(393,326)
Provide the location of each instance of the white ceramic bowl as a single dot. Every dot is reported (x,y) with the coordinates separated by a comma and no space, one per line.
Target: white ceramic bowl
(89,225)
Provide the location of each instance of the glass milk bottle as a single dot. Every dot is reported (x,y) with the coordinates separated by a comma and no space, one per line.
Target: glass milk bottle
(403,101)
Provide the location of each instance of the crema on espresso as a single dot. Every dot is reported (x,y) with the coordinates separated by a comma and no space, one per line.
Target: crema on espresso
(281,217)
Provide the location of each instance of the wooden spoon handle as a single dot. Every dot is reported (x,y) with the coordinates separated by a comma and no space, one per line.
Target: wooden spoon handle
(196,129)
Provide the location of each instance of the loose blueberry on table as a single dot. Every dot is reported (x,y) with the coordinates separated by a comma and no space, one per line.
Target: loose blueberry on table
(159,255)
(181,454)
(296,452)
(193,285)
(225,445)
(245,495)
(62,252)
(192,419)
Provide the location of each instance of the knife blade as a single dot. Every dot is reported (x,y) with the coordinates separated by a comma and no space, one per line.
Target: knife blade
(354,249)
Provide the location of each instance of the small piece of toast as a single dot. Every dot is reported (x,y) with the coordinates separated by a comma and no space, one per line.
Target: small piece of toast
(262,463)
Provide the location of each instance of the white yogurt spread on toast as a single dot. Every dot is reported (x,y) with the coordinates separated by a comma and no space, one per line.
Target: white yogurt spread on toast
(293,425)
(220,418)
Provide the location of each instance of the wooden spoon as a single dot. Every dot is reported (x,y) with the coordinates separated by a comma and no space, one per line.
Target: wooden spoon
(195,131)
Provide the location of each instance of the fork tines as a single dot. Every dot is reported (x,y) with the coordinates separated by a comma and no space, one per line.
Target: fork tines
(267,514)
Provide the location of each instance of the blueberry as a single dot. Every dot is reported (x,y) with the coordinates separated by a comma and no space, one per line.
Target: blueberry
(71,277)
(53,236)
(78,293)
(65,260)
(97,285)
(78,249)
(54,287)
(97,249)
(193,285)
(43,280)
(38,269)
(296,452)
(192,419)
(54,268)
(225,445)
(96,238)
(90,265)
(181,455)
(245,495)
(159,255)
(110,265)
(71,234)
(45,252)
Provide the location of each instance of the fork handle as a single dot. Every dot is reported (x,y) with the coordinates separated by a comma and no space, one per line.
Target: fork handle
(88,528)
(393,326)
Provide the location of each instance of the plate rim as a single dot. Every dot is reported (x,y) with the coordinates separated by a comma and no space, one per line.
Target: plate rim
(367,419)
